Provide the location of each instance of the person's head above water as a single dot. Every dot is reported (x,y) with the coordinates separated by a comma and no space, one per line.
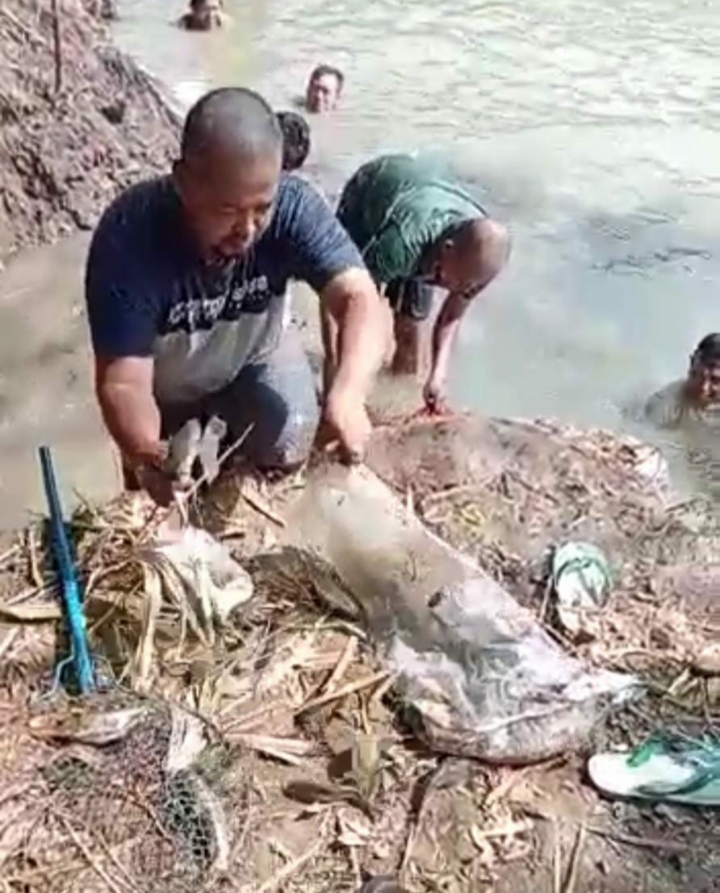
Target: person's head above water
(467,258)
(703,381)
(324,88)
(203,15)
(296,140)
(229,169)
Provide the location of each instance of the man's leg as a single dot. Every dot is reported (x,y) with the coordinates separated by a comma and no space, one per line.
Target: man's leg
(277,397)
(411,302)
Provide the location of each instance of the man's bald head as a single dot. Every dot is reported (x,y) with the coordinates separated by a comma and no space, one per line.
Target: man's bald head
(232,122)
(473,254)
(229,170)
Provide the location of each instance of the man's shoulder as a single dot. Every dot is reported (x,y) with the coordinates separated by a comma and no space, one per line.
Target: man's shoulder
(298,201)
(131,237)
(295,188)
(665,408)
(138,209)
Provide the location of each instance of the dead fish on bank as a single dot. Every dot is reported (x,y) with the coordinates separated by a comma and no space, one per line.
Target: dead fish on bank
(98,729)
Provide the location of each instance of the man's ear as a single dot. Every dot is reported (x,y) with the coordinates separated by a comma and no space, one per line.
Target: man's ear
(447,247)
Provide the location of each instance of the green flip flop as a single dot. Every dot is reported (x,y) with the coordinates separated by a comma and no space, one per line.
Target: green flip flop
(667,769)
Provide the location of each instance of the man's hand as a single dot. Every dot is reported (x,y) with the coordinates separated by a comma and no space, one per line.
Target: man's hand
(153,475)
(345,418)
(434,397)
(160,485)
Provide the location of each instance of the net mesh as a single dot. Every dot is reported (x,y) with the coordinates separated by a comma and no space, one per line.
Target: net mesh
(133,800)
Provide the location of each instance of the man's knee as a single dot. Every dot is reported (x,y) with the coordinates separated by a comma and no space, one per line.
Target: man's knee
(288,441)
(277,401)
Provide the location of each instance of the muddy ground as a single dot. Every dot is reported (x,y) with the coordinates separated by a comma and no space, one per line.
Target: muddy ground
(294,691)
(72,134)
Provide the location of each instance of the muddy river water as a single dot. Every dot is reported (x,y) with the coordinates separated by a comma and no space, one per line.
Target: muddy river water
(591,127)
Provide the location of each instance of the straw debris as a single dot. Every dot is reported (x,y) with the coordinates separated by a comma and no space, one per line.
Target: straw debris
(280,724)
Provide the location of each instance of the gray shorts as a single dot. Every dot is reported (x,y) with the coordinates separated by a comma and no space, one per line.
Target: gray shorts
(410,298)
(277,396)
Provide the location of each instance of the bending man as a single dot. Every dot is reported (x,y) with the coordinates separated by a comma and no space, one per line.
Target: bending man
(185,289)
(418,229)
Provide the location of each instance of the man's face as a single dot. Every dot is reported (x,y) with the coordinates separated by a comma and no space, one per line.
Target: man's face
(323,93)
(704,383)
(458,273)
(228,201)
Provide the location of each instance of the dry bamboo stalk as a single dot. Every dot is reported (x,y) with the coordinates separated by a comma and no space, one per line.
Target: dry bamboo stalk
(575,860)
(341,666)
(92,862)
(255,502)
(57,45)
(292,867)
(349,689)
(33,564)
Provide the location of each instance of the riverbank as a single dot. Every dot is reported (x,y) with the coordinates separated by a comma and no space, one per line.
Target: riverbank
(300,766)
(293,764)
(79,120)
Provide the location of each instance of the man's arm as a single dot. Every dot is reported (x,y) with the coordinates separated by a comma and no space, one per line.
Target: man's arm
(327,259)
(443,339)
(124,313)
(451,313)
(352,300)
(125,393)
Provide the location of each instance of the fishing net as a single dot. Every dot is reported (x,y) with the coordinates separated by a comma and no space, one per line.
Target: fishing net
(121,794)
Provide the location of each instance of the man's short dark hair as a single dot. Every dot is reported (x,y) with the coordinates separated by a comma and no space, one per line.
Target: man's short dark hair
(321,70)
(231,119)
(708,350)
(296,140)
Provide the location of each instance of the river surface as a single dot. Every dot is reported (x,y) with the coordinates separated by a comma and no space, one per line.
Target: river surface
(591,127)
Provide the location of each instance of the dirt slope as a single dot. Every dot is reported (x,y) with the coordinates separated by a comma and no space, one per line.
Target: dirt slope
(65,153)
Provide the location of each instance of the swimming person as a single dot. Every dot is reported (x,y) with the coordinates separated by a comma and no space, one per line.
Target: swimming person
(203,15)
(695,398)
(185,286)
(418,229)
(296,140)
(324,88)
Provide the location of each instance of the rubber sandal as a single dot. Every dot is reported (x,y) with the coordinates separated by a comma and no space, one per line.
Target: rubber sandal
(581,581)
(673,770)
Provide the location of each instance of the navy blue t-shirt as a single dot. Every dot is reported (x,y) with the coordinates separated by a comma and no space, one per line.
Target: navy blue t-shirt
(149,294)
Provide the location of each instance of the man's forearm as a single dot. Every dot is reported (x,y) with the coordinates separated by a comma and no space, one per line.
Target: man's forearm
(443,337)
(361,341)
(133,419)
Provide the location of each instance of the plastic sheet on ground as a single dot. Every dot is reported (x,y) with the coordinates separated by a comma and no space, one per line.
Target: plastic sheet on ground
(479,674)
(190,570)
